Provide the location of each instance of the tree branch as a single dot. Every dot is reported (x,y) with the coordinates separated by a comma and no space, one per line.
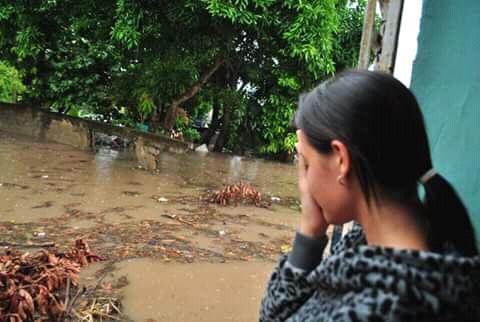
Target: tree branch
(196,87)
(199,84)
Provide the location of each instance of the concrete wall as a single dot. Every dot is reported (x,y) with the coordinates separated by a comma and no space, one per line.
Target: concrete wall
(48,126)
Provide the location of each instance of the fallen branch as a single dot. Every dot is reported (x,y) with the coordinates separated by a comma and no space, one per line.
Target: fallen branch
(73,301)
(32,245)
(67,293)
(175,217)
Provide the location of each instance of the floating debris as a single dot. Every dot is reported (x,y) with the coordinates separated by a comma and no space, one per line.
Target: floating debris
(202,148)
(134,183)
(99,309)
(27,245)
(238,193)
(46,204)
(39,286)
(13,185)
(178,218)
(131,193)
(285,248)
(78,194)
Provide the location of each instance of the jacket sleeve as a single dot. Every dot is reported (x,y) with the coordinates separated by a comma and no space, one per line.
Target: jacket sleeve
(288,287)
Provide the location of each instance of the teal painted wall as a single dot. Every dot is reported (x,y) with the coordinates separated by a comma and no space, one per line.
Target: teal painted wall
(446,81)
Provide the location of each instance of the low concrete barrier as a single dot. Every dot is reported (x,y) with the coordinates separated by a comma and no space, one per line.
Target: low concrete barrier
(79,133)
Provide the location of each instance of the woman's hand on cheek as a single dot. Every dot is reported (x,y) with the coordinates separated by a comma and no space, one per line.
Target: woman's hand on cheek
(312,222)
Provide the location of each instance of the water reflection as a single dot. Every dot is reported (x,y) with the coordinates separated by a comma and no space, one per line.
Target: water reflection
(58,172)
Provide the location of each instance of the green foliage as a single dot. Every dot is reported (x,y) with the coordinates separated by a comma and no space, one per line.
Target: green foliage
(27,43)
(349,33)
(11,86)
(64,50)
(127,22)
(276,124)
(311,34)
(125,61)
(145,107)
(123,118)
(191,134)
(305,28)
(183,126)
(289,142)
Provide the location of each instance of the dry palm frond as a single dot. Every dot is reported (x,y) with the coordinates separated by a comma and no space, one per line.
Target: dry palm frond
(237,193)
(37,286)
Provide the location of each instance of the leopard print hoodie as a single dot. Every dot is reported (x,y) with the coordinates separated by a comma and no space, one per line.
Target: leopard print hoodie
(371,283)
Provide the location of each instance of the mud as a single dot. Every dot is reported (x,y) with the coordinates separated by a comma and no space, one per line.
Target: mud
(183,258)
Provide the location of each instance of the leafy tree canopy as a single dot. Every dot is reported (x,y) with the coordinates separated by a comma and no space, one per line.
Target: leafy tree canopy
(11,86)
(147,61)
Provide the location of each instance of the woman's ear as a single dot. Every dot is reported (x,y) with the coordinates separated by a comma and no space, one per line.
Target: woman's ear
(342,157)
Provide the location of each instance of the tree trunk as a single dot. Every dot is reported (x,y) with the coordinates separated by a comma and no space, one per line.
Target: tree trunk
(170,117)
(65,109)
(14,94)
(208,134)
(169,121)
(155,122)
(222,138)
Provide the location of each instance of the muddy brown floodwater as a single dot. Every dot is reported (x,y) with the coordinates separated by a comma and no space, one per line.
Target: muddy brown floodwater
(179,257)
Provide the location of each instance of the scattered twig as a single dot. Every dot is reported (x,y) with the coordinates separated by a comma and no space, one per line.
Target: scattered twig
(97,285)
(177,218)
(33,245)
(73,301)
(67,293)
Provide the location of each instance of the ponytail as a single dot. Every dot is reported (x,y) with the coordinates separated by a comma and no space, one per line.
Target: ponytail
(447,217)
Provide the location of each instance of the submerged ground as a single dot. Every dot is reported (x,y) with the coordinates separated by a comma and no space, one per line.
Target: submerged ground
(168,252)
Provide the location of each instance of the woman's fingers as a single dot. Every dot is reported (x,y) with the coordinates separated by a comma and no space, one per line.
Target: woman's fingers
(301,164)
(312,222)
(302,176)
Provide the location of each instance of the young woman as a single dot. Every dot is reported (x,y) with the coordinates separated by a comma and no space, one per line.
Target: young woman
(363,153)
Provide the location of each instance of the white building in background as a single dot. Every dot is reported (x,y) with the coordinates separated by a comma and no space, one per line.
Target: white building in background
(407,40)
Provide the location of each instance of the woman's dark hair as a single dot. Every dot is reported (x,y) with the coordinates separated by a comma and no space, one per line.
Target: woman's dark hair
(380,122)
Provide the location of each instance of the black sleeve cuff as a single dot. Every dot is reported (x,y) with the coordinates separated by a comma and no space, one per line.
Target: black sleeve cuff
(307,252)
